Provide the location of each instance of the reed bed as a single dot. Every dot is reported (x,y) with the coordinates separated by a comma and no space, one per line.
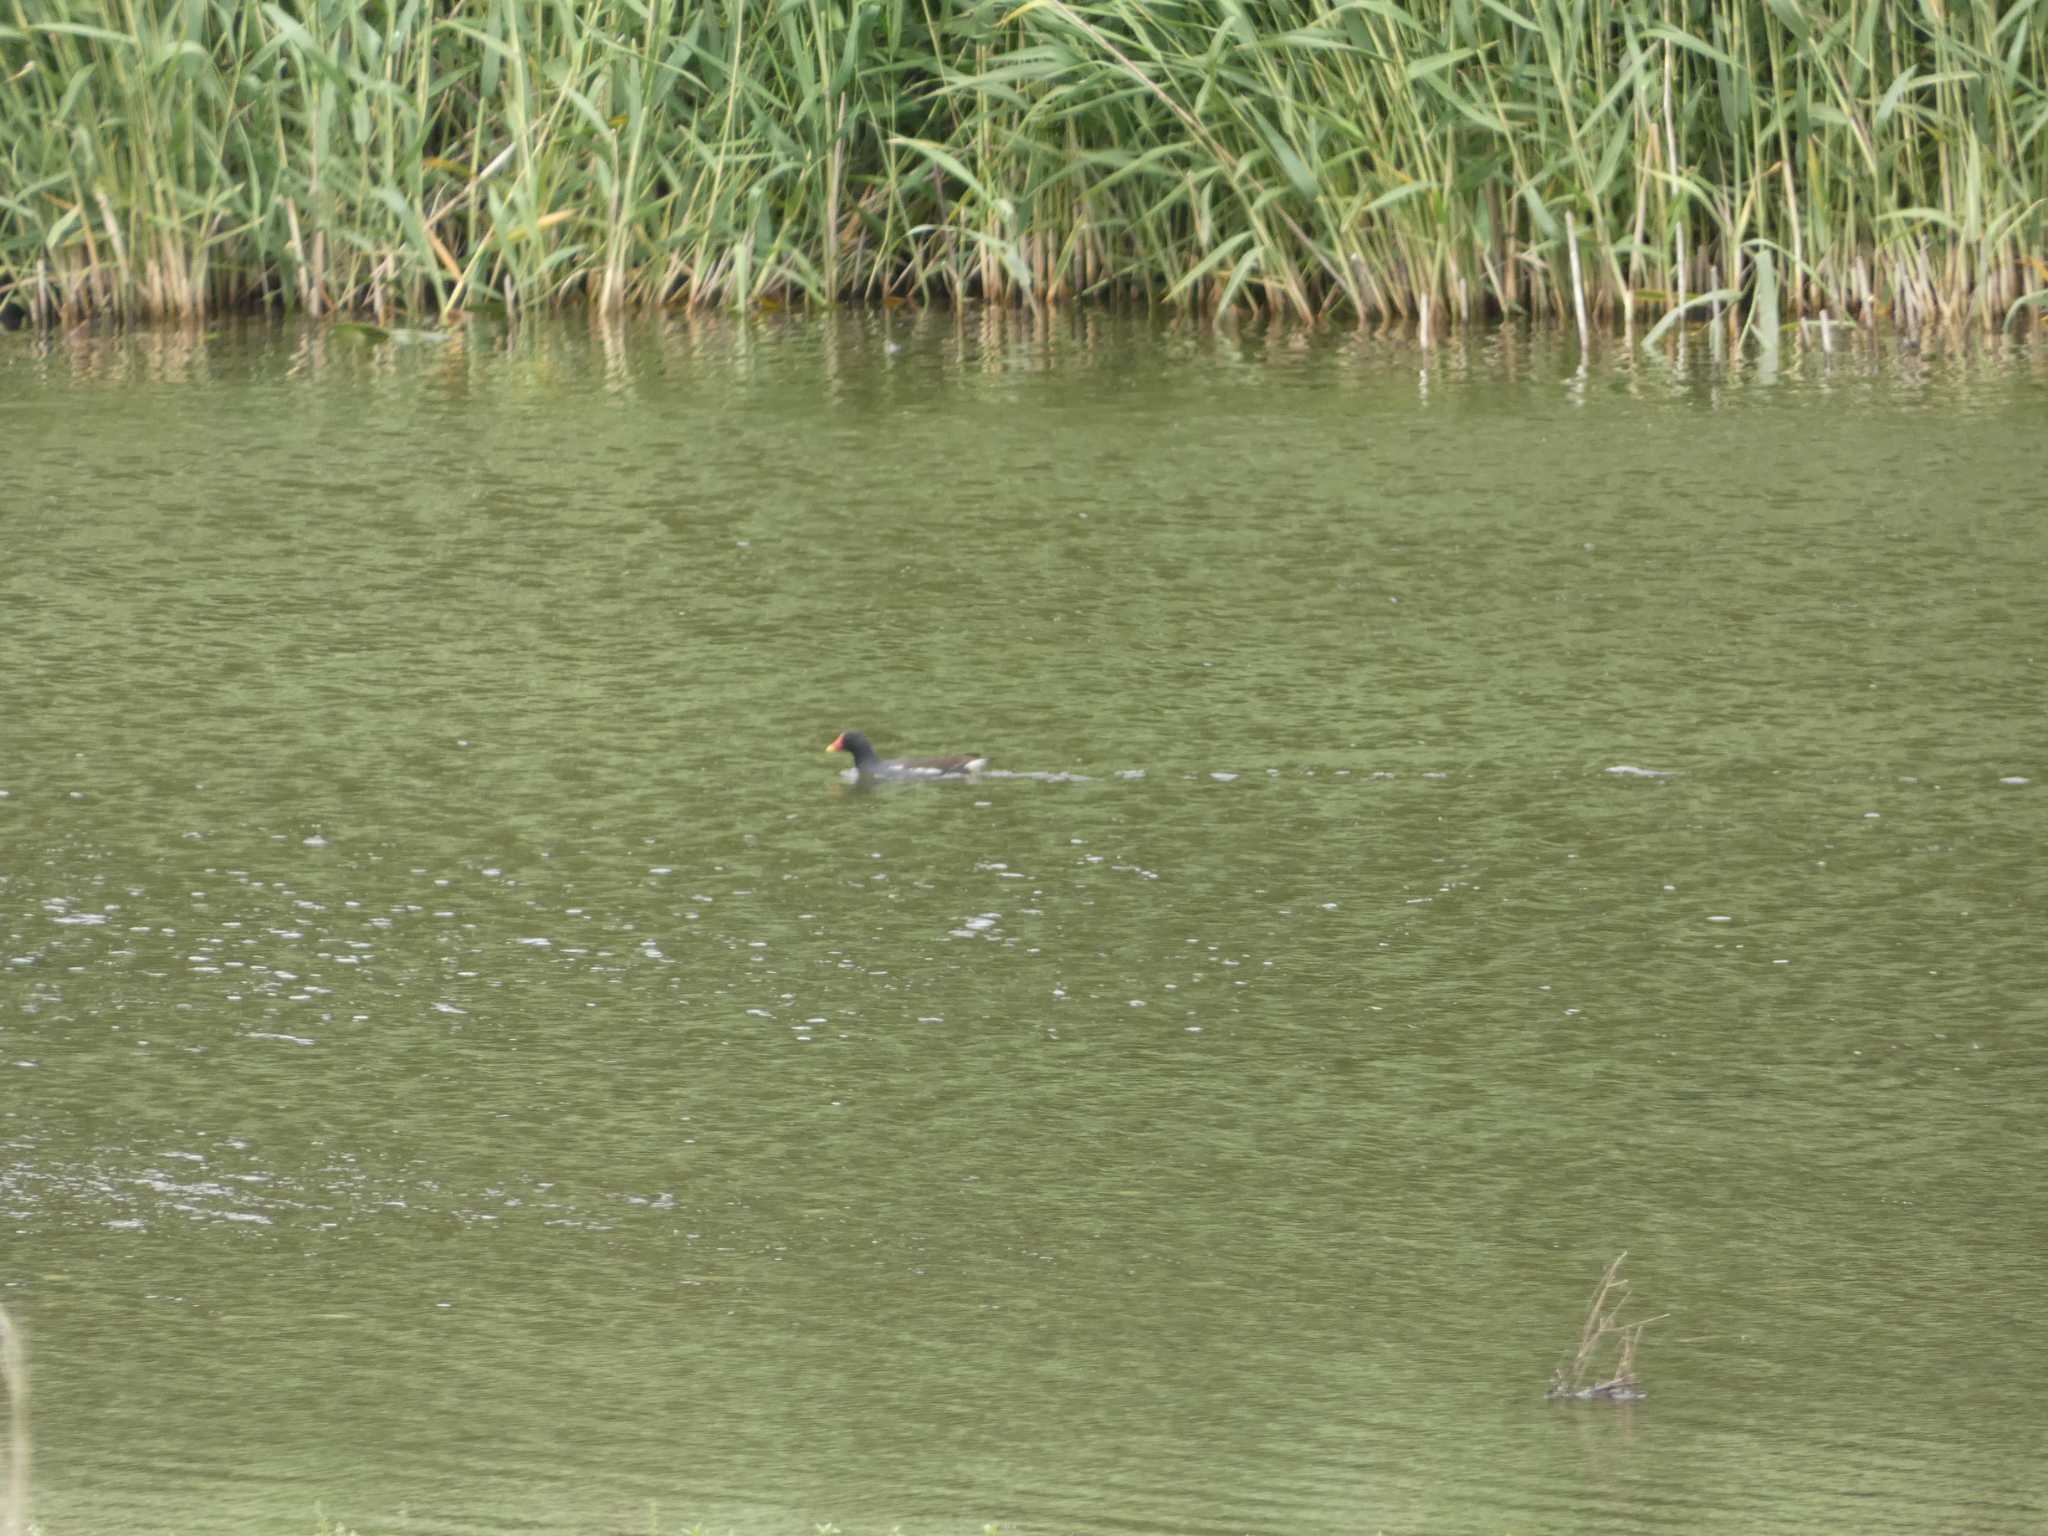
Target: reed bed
(1766,161)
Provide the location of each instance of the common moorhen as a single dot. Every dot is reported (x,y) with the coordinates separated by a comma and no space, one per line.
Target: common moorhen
(871,766)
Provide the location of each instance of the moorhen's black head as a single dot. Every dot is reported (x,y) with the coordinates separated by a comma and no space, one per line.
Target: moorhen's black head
(855,743)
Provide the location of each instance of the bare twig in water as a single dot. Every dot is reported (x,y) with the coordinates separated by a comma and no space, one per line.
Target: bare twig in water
(14,1387)
(1584,1376)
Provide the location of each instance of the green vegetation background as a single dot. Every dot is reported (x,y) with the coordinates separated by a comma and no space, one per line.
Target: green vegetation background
(173,157)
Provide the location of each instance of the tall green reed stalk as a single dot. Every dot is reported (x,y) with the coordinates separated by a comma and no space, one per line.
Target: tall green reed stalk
(1769,160)
(14,1393)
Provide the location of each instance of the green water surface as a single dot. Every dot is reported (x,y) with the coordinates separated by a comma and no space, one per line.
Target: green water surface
(468,1063)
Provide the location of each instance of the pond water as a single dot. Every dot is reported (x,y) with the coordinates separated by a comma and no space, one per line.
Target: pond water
(468,1062)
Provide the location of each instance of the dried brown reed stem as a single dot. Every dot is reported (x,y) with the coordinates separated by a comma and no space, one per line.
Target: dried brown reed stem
(14,1386)
(1584,1376)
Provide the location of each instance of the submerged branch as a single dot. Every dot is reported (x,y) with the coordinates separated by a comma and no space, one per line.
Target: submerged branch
(1583,1376)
